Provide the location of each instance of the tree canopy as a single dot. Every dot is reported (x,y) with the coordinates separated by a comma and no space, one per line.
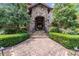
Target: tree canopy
(14,16)
(64,15)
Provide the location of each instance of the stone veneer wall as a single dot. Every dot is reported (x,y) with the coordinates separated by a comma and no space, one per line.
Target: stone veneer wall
(39,10)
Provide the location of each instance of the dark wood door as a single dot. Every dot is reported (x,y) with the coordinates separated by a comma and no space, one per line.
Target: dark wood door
(39,23)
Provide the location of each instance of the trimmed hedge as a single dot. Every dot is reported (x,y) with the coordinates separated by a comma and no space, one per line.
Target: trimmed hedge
(12,39)
(67,40)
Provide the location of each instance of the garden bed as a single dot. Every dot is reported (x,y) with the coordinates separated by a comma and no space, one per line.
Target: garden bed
(8,40)
(67,40)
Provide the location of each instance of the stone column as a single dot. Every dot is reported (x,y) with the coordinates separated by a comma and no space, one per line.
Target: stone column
(46,25)
(32,26)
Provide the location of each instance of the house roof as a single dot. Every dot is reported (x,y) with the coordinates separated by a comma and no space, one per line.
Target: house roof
(44,4)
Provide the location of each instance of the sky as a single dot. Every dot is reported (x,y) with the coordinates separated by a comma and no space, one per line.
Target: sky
(50,4)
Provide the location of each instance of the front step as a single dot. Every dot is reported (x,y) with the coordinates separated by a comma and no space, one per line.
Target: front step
(39,34)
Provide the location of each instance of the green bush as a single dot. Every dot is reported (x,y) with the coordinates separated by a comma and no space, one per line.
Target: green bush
(64,31)
(12,39)
(54,29)
(14,30)
(10,31)
(67,40)
(69,31)
(23,30)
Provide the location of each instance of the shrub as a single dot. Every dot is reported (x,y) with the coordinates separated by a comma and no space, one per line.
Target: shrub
(67,40)
(23,30)
(14,30)
(2,31)
(77,30)
(13,17)
(64,15)
(12,39)
(68,31)
(61,30)
(54,29)
(10,31)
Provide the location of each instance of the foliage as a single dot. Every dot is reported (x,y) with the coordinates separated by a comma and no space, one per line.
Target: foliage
(65,24)
(12,39)
(14,17)
(67,40)
(64,16)
(64,31)
(54,29)
(77,9)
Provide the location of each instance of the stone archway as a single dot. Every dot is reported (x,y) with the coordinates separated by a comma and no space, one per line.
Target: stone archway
(39,23)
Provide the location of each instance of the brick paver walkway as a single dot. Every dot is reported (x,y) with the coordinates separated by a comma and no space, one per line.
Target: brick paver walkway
(38,45)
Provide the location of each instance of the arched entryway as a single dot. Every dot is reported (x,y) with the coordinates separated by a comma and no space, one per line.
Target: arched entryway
(39,23)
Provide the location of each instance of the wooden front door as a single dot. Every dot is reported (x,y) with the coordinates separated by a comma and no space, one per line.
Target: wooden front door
(39,23)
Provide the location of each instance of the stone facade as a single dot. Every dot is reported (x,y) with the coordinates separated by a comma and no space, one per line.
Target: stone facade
(42,11)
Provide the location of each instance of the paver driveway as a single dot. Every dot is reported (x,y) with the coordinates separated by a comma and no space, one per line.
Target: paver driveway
(38,45)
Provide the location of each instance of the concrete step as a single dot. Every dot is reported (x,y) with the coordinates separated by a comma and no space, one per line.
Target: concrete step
(40,34)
